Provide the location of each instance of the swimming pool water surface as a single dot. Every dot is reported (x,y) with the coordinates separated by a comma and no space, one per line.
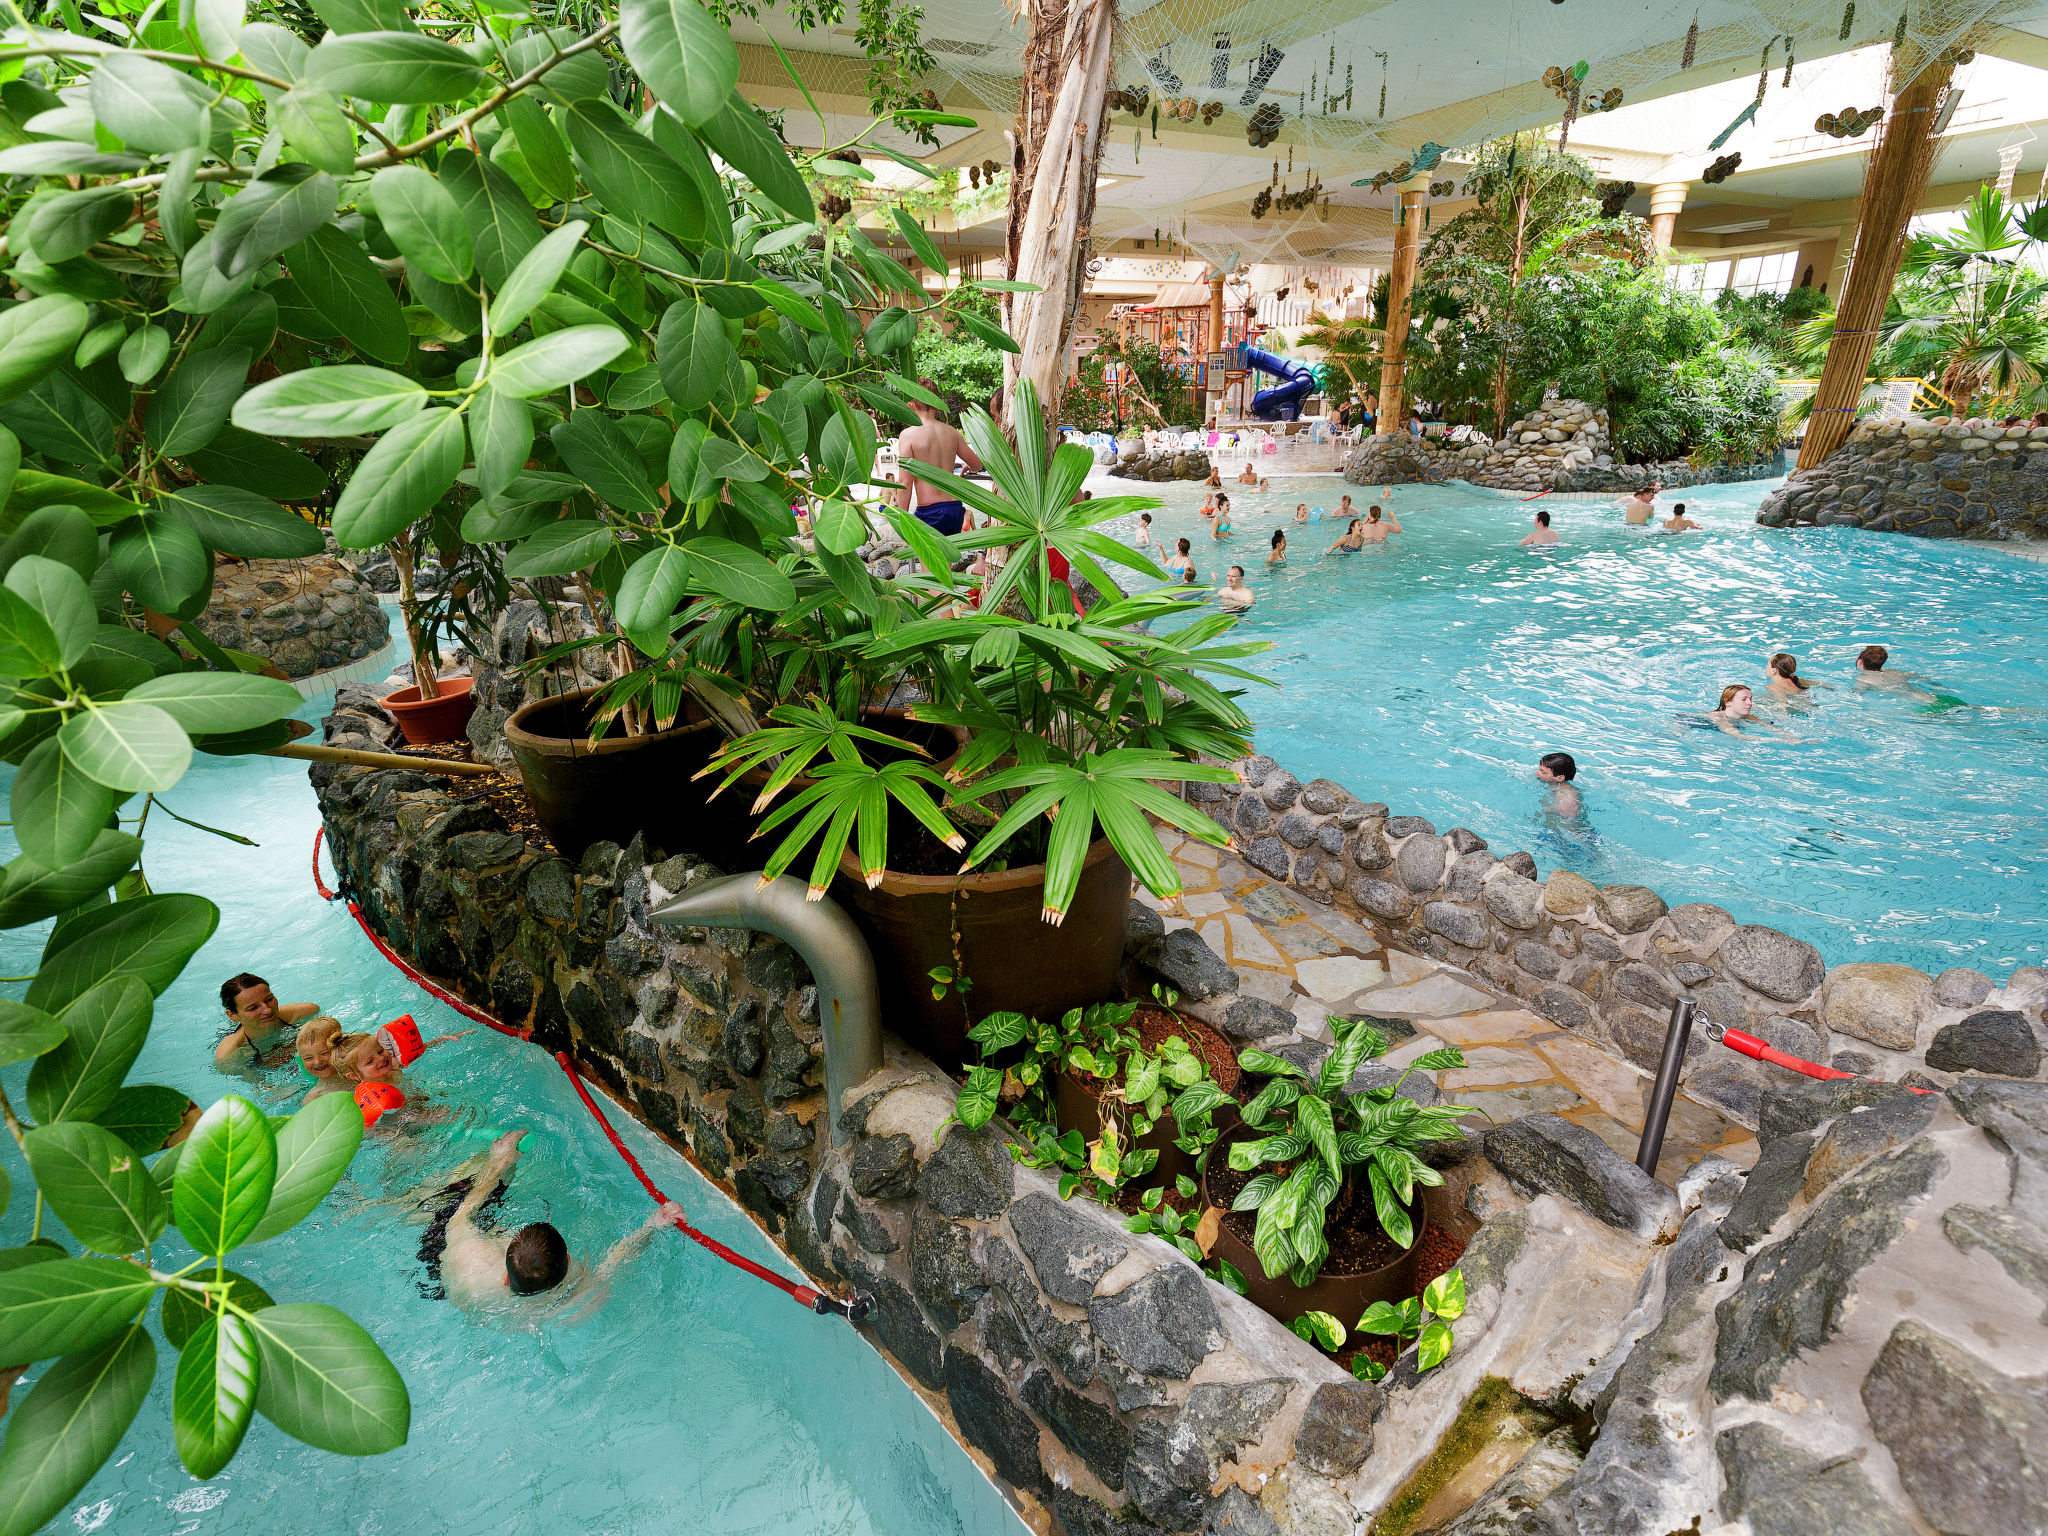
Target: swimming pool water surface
(1432,671)
(693,1399)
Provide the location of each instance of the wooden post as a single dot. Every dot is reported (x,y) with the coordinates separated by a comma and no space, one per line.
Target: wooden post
(1893,184)
(1052,192)
(1215,340)
(1400,290)
(1666,199)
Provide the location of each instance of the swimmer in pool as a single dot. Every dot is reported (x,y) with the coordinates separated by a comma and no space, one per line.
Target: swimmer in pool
(1871,672)
(1351,539)
(1235,593)
(1558,769)
(1786,683)
(1737,709)
(366,1059)
(1279,555)
(1345,511)
(1181,560)
(1215,480)
(474,1267)
(256,1020)
(1541,533)
(318,1037)
(1247,476)
(1637,507)
(1301,512)
(1678,522)
(1187,577)
(1378,526)
(1208,506)
(1220,528)
(1145,539)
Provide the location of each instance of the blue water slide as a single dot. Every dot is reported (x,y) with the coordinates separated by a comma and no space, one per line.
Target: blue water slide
(1283,401)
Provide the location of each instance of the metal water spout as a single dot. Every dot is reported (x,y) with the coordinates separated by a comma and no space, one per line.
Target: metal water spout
(849,1002)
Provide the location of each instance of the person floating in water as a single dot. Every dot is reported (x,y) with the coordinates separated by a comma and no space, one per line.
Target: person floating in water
(1351,540)
(1637,507)
(1215,480)
(1736,710)
(319,1037)
(1279,555)
(371,1064)
(1678,522)
(1786,683)
(1301,512)
(473,1267)
(1871,672)
(1541,533)
(1235,593)
(1144,539)
(935,441)
(1220,528)
(1181,560)
(1345,511)
(1378,526)
(256,1021)
(1248,475)
(1558,769)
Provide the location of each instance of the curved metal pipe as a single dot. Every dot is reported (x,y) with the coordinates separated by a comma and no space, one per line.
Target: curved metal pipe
(849,1002)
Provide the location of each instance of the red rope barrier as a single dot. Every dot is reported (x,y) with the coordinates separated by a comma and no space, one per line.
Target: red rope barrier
(816,1300)
(1763,1050)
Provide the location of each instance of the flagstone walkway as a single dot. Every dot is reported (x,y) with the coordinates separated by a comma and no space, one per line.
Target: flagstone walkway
(1316,962)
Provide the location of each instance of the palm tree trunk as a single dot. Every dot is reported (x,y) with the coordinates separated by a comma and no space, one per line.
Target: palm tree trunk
(1052,190)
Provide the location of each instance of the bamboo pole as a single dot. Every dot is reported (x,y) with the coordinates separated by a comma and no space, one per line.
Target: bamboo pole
(310,753)
(1400,290)
(1893,184)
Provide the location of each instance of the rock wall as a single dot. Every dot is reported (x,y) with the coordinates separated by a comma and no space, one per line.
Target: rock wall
(302,615)
(1560,435)
(1181,464)
(1399,458)
(1938,479)
(1609,962)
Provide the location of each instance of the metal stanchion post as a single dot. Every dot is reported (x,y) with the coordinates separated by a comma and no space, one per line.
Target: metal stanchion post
(1676,1038)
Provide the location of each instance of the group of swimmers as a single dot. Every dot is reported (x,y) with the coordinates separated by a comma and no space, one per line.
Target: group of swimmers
(1791,692)
(468,1261)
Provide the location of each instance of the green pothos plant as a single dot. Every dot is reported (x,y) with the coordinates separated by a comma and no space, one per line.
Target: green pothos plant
(1424,1321)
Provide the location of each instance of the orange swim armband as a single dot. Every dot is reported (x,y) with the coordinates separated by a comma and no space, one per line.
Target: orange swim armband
(373,1099)
(401,1040)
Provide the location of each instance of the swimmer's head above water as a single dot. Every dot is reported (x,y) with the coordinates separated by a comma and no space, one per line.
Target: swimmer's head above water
(1872,658)
(247,999)
(1737,700)
(1557,768)
(536,1259)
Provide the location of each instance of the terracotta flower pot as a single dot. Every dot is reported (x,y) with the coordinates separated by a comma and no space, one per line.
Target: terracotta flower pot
(1015,960)
(1077,1097)
(585,792)
(1344,1295)
(428,721)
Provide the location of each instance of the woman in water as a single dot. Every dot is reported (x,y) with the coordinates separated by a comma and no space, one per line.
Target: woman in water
(1220,527)
(1351,539)
(1181,559)
(1785,681)
(1215,480)
(1279,555)
(1737,709)
(257,1021)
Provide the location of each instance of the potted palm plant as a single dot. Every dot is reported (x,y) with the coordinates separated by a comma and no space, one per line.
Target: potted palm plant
(1014,865)
(1322,1188)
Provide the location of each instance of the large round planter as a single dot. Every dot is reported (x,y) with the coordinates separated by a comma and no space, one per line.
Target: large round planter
(1344,1296)
(1077,1106)
(427,722)
(585,792)
(1015,960)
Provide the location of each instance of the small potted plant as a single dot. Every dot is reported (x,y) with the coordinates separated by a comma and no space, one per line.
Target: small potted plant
(1321,1188)
(431,708)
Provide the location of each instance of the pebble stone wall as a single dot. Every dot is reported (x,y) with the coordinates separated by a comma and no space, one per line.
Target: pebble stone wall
(304,616)
(1937,479)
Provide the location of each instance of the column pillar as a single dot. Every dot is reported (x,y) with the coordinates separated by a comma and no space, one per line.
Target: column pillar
(1400,291)
(1215,389)
(1666,198)
(1892,188)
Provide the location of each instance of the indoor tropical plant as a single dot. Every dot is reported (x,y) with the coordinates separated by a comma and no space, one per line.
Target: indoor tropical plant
(1316,1155)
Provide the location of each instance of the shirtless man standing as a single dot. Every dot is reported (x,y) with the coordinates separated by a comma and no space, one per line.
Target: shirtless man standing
(937,442)
(1637,508)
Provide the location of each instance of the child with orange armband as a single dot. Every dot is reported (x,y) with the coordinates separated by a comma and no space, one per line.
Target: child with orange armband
(374,1061)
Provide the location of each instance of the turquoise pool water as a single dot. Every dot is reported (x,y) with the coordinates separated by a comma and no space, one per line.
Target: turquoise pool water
(694,1399)
(1432,671)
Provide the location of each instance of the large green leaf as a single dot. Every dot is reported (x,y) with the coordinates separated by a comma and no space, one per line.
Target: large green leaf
(271,215)
(557,359)
(143,1115)
(395,67)
(58,811)
(31,891)
(254,465)
(127,745)
(25,1032)
(560,549)
(149,937)
(184,1311)
(67,1305)
(214,1394)
(97,1185)
(647,597)
(547,155)
(64,157)
(72,223)
(501,437)
(501,220)
(35,490)
(347,16)
(144,353)
(28,646)
(534,278)
(151,106)
(424,221)
(633,175)
(327,1383)
(58,1436)
(598,452)
(35,337)
(241,522)
(314,1149)
(698,363)
(104,1032)
(330,402)
(160,560)
(683,52)
(60,595)
(338,278)
(63,534)
(61,419)
(745,142)
(203,287)
(738,574)
(400,479)
(316,124)
(192,405)
(212,702)
(224,1177)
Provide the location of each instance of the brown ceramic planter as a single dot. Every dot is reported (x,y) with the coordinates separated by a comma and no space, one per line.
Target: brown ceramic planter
(1344,1296)
(585,792)
(427,722)
(1016,960)
(1077,1106)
